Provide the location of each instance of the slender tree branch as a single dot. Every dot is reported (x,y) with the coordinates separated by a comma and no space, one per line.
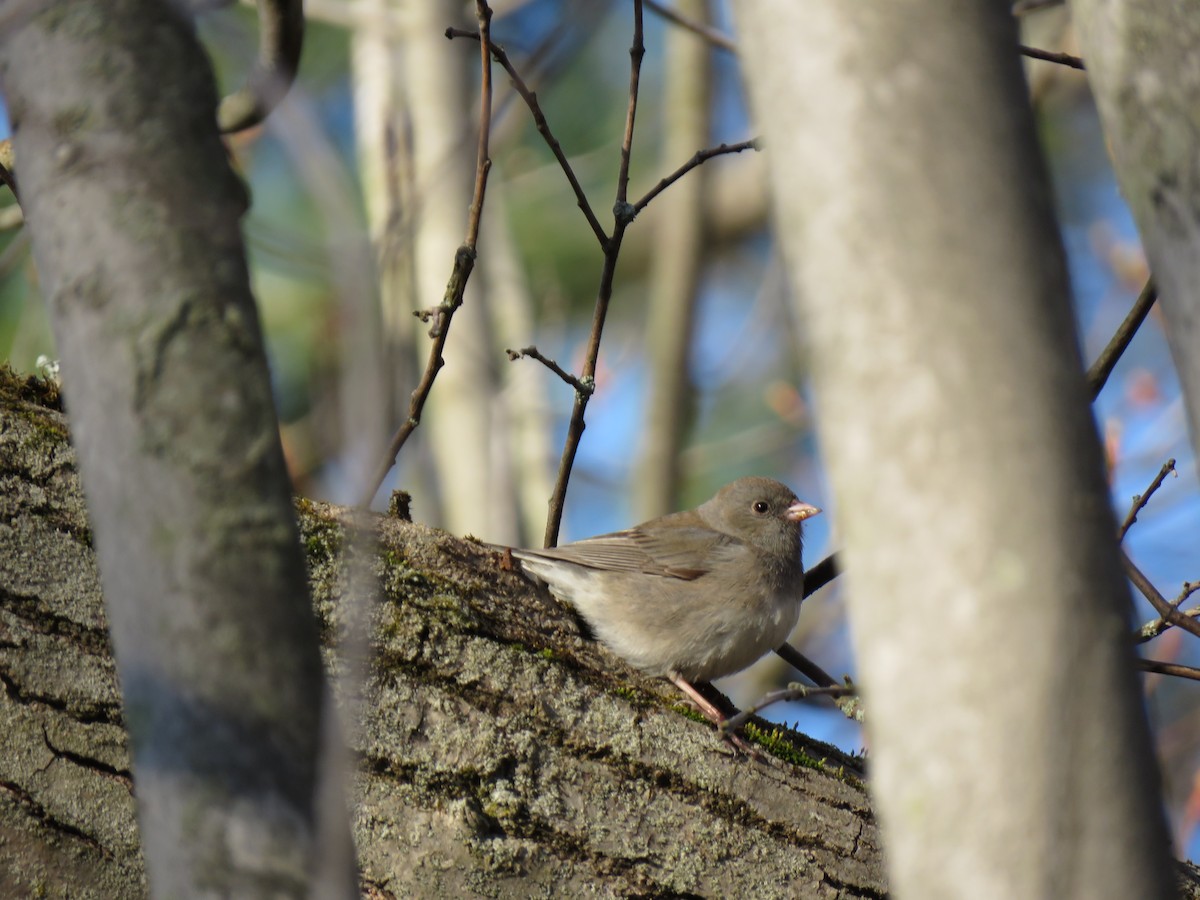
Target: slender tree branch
(464,262)
(1153,629)
(1161,605)
(1063,59)
(712,35)
(794,691)
(543,127)
(582,387)
(702,156)
(1140,500)
(805,666)
(636,52)
(623,214)
(280,40)
(1099,371)
(1166,668)
(822,573)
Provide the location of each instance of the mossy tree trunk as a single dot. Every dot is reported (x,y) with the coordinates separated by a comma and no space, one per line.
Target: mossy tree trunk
(500,752)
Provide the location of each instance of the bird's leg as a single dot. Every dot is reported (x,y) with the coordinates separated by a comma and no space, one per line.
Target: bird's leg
(713,714)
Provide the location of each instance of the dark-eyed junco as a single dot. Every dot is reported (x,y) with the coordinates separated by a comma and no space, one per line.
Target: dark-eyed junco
(693,595)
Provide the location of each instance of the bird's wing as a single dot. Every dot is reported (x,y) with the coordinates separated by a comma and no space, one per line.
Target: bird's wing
(682,552)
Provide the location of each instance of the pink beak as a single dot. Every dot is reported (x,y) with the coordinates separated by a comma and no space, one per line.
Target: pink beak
(799,511)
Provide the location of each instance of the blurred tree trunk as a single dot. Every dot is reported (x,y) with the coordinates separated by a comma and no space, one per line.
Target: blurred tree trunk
(485,446)
(500,753)
(133,214)
(523,442)
(679,238)
(458,422)
(1141,64)
(1010,749)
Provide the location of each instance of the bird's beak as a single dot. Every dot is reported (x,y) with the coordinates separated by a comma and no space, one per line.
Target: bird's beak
(799,511)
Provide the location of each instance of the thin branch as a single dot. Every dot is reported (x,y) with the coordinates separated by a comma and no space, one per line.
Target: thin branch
(712,35)
(543,127)
(702,156)
(1161,605)
(793,691)
(1153,629)
(805,666)
(822,573)
(1099,371)
(637,51)
(280,40)
(623,214)
(1166,668)
(583,387)
(464,262)
(850,706)
(1140,500)
(1063,59)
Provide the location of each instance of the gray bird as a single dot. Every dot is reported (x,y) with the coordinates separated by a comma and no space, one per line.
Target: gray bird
(693,595)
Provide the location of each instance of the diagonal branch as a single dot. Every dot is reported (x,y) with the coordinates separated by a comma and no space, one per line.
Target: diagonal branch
(1099,371)
(1140,500)
(712,35)
(701,157)
(543,127)
(623,213)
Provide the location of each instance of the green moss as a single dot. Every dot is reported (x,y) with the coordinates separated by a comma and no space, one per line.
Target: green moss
(776,743)
(689,713)
(323,537)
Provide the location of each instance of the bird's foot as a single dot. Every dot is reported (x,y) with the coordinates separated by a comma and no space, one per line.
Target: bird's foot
(718,718)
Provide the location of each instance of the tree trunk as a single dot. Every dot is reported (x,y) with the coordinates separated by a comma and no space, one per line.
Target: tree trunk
(134,219)
(1010,749)
(501,753)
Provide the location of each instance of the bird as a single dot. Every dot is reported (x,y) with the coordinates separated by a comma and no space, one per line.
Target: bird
(693,595)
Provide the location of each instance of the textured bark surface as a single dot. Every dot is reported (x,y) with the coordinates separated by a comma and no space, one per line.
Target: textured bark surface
(1011,756)
(501,753)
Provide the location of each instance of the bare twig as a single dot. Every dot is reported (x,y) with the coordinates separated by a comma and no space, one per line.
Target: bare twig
(793,691)
(1160,603)
(583,387)
(805,666)
(1063,59)
(714,37)
(1166,668)
(702,156)
(623,214)
(1099,371)
(543,127)
(1140,500)
(822,573)
(464,262)
(1154,628)
(280,40)
(850,706)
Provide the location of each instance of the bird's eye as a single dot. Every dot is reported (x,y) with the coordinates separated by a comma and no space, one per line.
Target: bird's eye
(760,506)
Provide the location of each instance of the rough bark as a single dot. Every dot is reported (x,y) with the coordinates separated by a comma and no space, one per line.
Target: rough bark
(1010,749)
(501,753)
(134,215)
